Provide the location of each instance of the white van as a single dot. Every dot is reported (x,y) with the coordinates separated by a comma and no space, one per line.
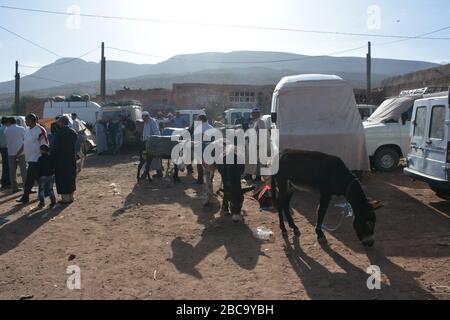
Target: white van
(387,130)
(318,113)
(429,157)
(134,113)
(86,110)
(189,116)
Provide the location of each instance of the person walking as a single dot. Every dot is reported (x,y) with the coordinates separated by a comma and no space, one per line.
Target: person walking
(101,138)
(151,128)
(5,180)
(46,177)
(64,160)
(202,126)
(14,135)
(35,136)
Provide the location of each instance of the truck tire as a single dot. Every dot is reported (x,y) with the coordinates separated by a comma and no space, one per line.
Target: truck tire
(386,159)
(441,193)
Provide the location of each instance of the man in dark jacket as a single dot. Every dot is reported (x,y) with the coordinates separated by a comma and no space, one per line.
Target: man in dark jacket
(64,160)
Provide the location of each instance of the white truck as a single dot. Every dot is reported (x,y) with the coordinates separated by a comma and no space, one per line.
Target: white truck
(86,110)
(387,130)
(429,157)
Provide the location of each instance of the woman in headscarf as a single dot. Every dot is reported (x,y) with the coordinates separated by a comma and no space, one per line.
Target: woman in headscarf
(64,160)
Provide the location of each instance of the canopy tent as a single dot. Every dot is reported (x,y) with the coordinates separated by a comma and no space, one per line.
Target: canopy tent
(392,109)
(318,113)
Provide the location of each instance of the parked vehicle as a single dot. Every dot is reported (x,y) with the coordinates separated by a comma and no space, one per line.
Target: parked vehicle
(429,156)
(366,110)
(134,123)
(86,110)
(231,116)
(318,113)
(387,130)
(190,116)
(133,112)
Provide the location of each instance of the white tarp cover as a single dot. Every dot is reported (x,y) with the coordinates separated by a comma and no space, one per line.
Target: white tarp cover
(392,109)
(318,113)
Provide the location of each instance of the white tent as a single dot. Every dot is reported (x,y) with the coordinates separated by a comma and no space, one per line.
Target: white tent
(318,113)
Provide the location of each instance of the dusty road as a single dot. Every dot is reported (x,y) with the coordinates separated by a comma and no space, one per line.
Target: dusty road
(157,242)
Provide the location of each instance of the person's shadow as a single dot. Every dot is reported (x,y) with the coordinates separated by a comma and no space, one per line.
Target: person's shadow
(14,233)
(237,238)
(319,283)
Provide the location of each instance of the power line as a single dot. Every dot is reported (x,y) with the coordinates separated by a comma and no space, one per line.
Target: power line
(29,41)
(416,37)
(264,28)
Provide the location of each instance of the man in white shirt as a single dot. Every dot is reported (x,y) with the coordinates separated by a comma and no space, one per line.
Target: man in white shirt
(14,135)
(77,125)
(35,136)
(202,129)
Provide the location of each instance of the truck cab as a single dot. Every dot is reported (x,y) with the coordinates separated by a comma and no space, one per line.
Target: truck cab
(388,130)
(429,157)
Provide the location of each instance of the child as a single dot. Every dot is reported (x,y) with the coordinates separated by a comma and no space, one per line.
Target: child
(46,178)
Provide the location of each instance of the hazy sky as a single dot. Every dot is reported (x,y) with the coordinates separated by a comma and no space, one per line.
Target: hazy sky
(71,37)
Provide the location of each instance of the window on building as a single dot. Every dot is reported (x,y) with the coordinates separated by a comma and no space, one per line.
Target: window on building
(243,97)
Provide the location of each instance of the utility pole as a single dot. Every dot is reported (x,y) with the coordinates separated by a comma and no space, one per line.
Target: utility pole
(369,73)
(103,75)
(16,109)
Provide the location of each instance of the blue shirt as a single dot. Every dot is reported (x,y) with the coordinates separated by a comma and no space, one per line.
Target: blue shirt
(179,122)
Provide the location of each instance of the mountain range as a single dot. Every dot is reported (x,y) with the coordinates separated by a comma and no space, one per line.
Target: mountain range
(70,75)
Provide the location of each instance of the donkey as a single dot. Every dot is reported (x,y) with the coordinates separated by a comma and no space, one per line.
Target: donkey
(329,176)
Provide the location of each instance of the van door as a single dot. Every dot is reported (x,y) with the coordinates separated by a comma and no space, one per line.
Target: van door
(436,142)
(418,134)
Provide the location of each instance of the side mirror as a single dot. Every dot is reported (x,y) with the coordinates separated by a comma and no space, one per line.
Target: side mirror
(274,117)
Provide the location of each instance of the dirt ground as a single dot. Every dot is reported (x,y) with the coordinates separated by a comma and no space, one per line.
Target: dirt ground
(158,242)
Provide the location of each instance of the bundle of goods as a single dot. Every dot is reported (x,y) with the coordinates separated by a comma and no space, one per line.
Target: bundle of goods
(59,99)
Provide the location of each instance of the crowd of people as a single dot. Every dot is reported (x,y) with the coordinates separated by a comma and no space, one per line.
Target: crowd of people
(48,159)
(42,161)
